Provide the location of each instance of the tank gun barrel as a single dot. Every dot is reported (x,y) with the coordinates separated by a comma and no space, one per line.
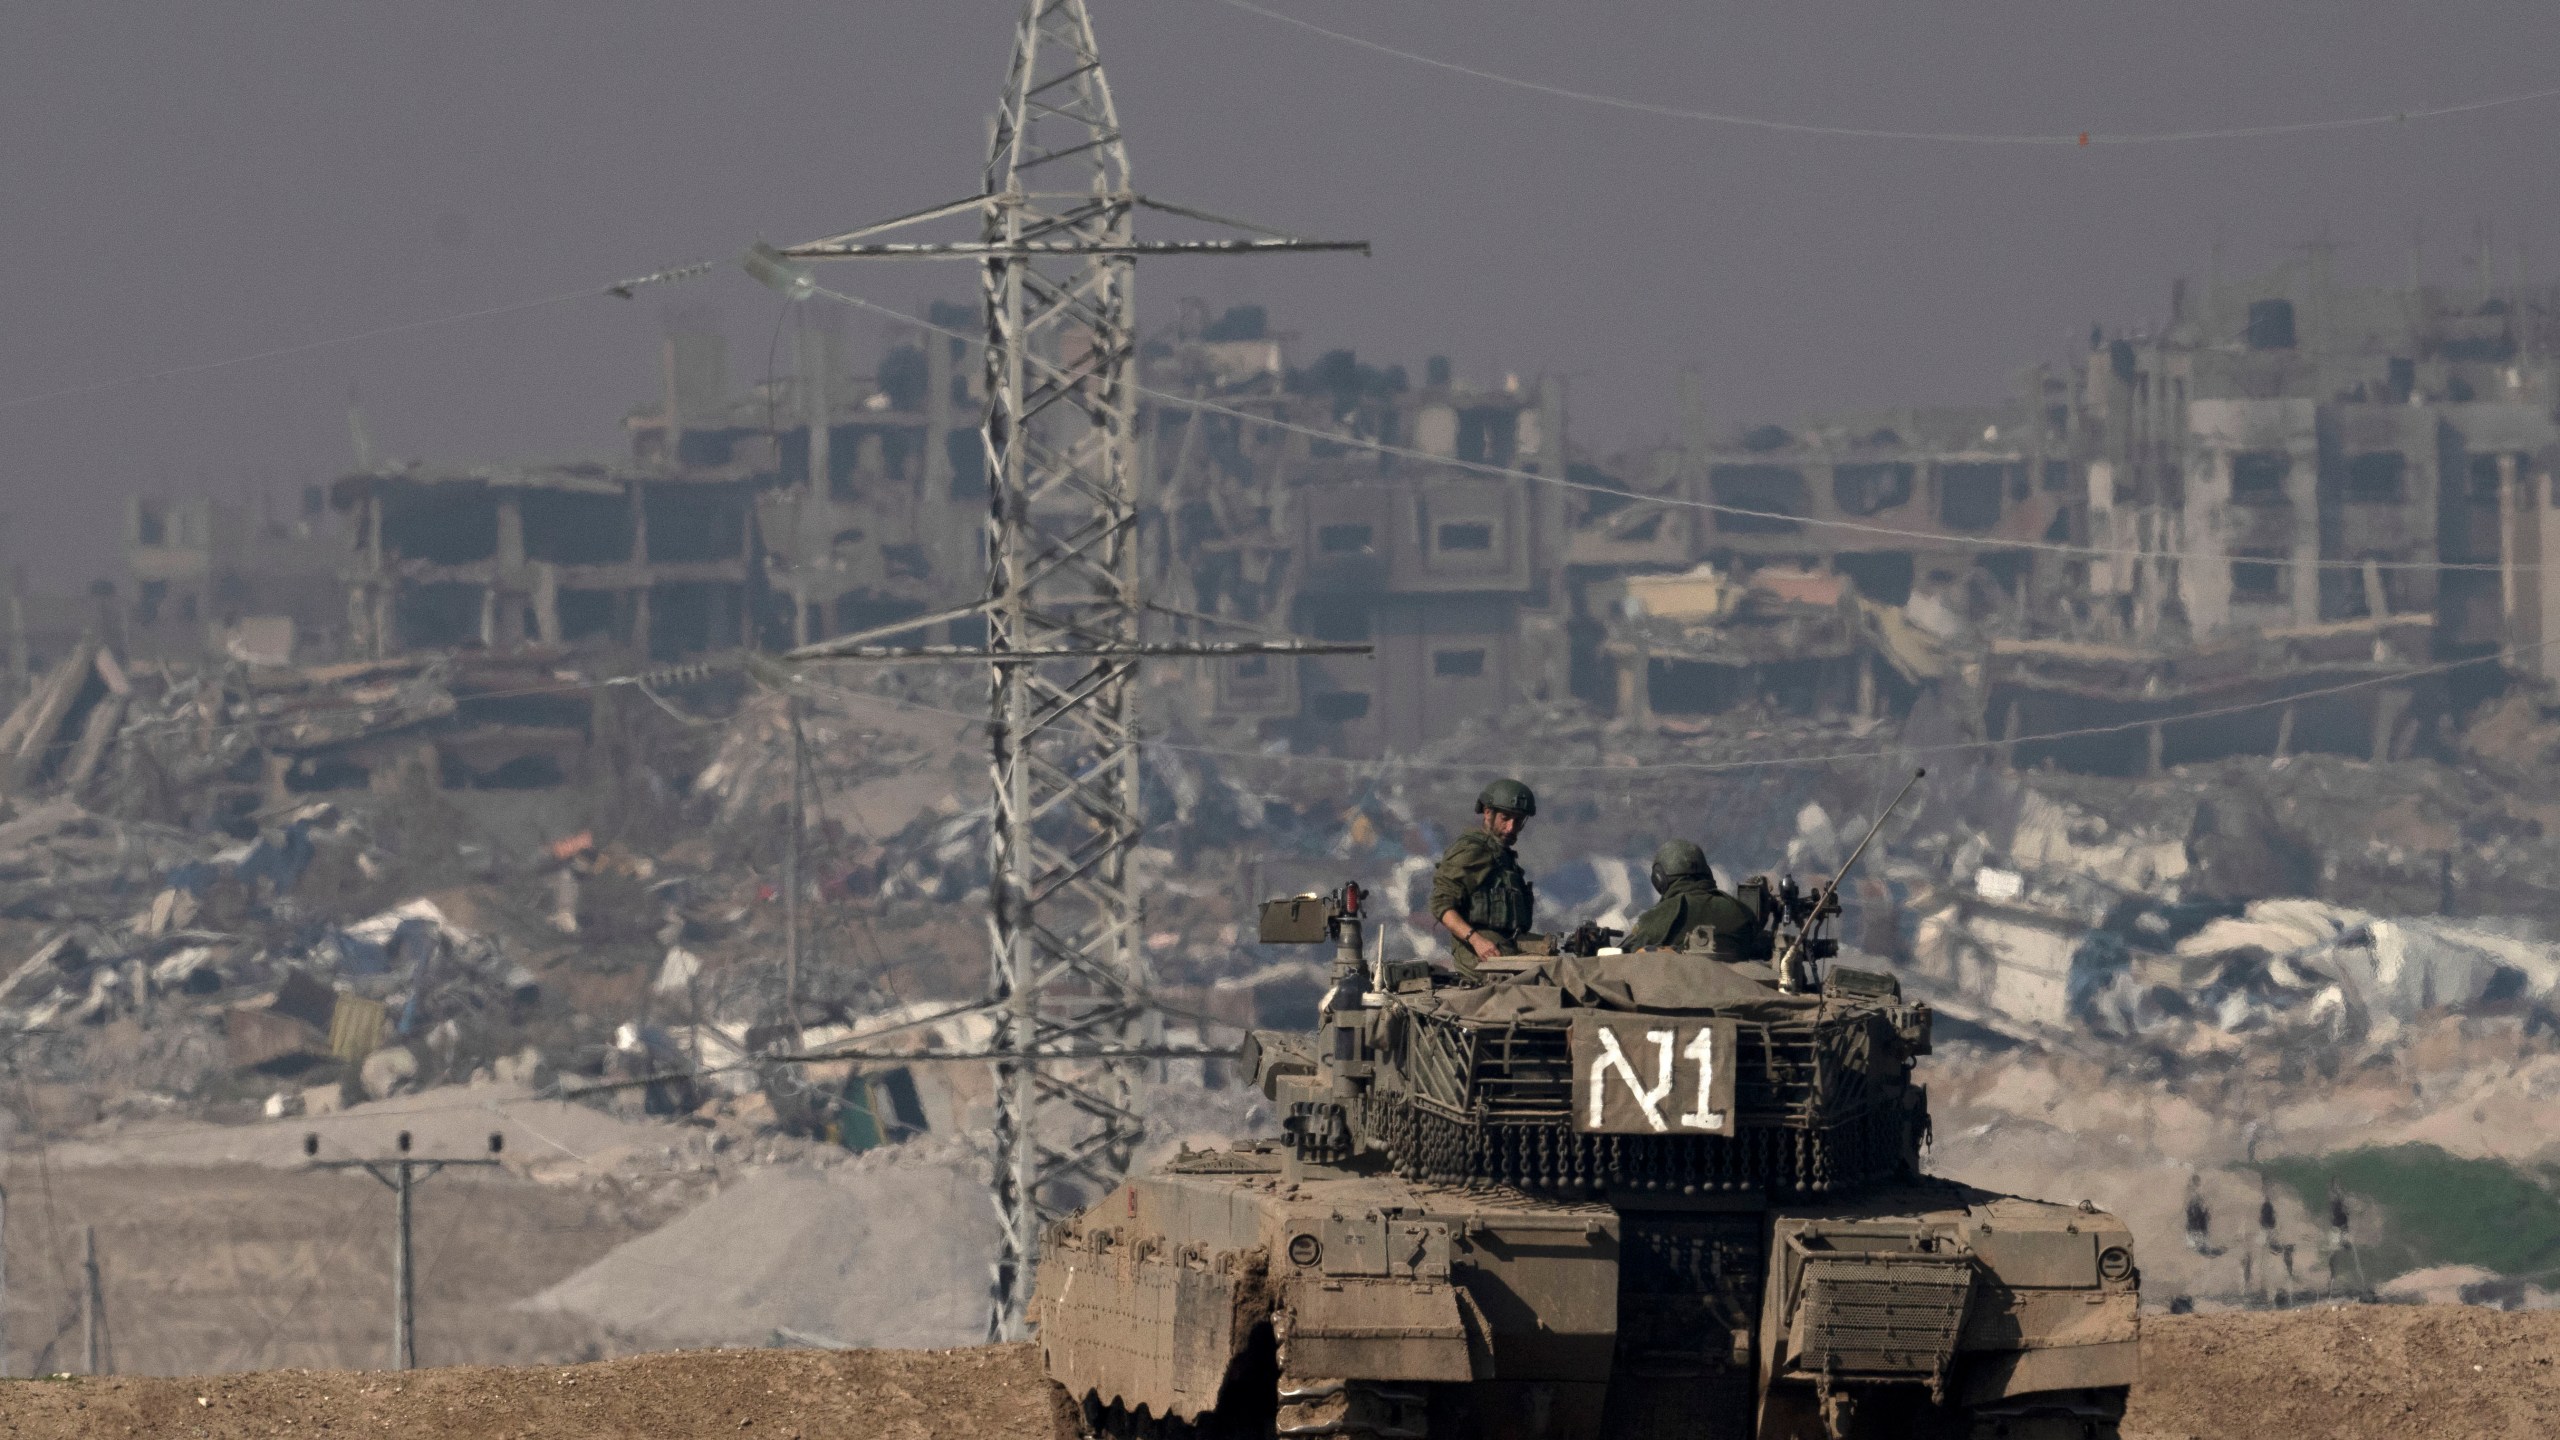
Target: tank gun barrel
(1789,978)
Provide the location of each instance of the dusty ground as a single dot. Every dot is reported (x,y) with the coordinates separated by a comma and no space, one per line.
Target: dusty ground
(2408,1373)
(777,1394)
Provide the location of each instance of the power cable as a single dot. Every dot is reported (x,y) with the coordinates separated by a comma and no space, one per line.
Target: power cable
(320,1270)
(1789,761)
(1644,772)
(2073,139)
(1678,502)
(621,288)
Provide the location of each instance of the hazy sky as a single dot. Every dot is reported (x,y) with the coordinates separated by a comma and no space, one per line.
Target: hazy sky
(186,183)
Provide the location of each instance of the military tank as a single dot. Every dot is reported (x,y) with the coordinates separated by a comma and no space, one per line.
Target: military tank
(1599,1194)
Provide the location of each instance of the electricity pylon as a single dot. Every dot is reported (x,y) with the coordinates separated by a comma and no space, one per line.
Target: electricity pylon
(1057,249)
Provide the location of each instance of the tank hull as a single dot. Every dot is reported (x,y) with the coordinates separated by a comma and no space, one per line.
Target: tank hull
(1245,1292)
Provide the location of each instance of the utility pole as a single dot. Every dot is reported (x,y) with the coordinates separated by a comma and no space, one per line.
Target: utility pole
(791,877)
(401,1174)
(1056,246)
(93,1306)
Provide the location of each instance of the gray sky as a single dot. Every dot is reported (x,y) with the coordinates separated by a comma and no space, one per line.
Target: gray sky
(188,183)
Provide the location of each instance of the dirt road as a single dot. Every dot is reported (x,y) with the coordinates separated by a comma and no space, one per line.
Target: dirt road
(2408,1373)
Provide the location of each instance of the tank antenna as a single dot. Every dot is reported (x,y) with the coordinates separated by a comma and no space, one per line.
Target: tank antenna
(1787,975)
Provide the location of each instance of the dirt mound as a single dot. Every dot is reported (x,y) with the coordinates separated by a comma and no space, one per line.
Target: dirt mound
(874,1255)
(2410,1373)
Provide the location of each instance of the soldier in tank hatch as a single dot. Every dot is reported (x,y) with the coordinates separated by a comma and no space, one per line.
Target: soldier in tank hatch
(1690,902)
(1479,894)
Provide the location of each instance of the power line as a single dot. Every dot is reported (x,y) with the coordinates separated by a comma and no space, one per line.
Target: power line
(1780,762)
(2072,139)
(621,288)
(1680,502)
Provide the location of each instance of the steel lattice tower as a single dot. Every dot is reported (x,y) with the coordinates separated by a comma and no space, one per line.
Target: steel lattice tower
(1061,445)
(1057,247)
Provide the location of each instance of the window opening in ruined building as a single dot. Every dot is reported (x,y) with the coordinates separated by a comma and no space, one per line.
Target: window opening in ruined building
(1457,664)
(902,378)
(187,612)
(689,617)
(1336,706)
(1883,576)
(566,527)
(148,600)
(440,524)
(2257,477)
(1468,536)
(1872,487)
(437,615)
(2057,474)
(1335,618)
(148,526)
(585,613)
(1488,436)
(2377,477)
(2484,479)
(2403,379)
(1969,495)
(1777,490)
(1345,539)
(2258,576)
(2018,481)
(1253,667)
(691,524)
(967,452)
(2270,324)
(706,449)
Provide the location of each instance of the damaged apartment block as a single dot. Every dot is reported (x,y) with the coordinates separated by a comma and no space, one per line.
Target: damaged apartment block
(660,565)
(1450,572)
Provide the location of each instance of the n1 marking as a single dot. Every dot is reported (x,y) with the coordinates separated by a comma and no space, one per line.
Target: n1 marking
(1703,1051)
(1613,1058)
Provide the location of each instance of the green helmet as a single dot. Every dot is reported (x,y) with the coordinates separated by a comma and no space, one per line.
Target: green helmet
(1510,797)
(1679,858)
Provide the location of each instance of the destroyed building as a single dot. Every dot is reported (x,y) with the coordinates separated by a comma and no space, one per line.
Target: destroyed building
(1410,545)
(210,577)
(870,489)
(661,565)
(2292,484)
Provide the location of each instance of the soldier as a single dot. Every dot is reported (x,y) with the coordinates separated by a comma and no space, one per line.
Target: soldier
(1690,901)
(1480,895)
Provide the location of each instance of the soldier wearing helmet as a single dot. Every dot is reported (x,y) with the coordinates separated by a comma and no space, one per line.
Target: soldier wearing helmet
(1690,901)
(1480,895)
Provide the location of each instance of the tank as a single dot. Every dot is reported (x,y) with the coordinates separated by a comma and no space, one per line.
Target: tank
(1599,1194)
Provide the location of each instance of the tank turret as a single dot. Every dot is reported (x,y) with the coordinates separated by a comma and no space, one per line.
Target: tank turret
(1656,1072)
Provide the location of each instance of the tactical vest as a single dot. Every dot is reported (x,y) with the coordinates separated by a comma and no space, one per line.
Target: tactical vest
(1503,904)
